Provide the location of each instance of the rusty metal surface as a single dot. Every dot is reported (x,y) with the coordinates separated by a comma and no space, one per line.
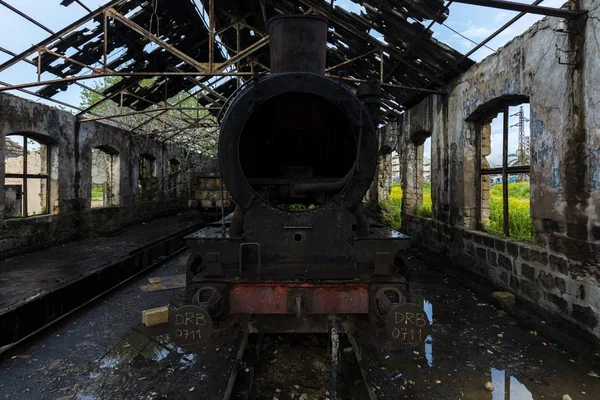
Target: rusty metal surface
(297,151)
(277,298)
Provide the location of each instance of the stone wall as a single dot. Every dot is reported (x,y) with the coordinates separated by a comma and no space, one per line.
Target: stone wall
(387,142)
(71,144)
(560,271)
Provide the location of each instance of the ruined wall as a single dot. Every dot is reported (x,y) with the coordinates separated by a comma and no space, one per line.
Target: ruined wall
(71,144)
(560,271)
(387,142)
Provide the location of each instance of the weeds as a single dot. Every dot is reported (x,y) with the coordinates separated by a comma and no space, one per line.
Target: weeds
(391,209)
(519,215)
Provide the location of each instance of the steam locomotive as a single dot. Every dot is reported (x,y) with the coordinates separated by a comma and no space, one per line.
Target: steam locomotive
(298,152)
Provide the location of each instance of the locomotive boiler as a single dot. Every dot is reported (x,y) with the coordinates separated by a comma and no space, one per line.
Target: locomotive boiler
(298,152)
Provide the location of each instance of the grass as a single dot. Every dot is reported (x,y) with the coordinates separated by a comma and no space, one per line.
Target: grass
(391,209)
(98,193)
(519,215)
(425,210)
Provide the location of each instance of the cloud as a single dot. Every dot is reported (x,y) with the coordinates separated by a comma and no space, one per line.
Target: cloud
(503,16)
(478,32)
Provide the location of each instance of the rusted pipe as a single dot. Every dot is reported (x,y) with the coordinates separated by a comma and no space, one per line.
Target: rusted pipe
(304,188)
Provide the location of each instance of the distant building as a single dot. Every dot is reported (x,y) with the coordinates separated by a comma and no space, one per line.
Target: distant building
(427,170)
(395,167)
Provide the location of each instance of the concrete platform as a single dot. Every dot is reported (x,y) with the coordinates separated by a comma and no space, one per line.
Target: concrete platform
(76,272)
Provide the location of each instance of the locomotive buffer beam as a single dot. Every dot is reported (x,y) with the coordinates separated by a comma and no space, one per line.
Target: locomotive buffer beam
(298,307)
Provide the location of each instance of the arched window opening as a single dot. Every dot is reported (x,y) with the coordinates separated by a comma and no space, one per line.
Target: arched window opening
(421,176)
(424,179)
(104,177)
(173,178)
(26,181)
(147,182)
(504,167)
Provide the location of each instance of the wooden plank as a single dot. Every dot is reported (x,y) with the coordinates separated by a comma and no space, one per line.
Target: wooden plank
(164,283)
(155,316)
(153,287)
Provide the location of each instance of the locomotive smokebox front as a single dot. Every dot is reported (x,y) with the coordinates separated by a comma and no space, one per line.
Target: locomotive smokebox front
(295,143)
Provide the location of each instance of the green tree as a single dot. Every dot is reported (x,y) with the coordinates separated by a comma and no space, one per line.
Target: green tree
(192,130)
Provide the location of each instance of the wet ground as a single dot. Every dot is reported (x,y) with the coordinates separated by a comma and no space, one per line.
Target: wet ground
(473,343)
(103,352)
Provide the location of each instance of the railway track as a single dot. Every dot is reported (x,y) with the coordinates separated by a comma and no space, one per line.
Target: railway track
(348,376)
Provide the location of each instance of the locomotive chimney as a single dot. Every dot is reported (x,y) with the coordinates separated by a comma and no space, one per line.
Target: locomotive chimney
(298,43)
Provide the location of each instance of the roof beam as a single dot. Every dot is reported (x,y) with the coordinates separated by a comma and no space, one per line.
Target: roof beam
(94,76)
(144,33)
(245,53)
(514,6)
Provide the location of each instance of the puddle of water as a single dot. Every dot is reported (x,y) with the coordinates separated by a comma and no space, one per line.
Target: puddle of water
(428,307)
(150,355)
(507,387)
(124,351)
(188,359)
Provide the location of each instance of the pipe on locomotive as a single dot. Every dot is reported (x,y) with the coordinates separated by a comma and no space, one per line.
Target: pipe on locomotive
(278,129)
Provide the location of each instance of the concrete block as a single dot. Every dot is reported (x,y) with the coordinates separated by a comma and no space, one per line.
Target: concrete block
(505,300)
(527,271)
(155,316)
(585,314)
(505,262)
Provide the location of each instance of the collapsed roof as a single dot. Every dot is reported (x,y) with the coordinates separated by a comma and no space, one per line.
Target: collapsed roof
(414,63)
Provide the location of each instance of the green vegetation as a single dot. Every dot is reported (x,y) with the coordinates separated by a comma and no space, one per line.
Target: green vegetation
(391,209)
(297,207)
(519,216)
(183,104)
(521,227)
(425,210)
(98,193)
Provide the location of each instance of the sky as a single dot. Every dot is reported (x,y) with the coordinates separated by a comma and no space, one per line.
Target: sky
(18,34)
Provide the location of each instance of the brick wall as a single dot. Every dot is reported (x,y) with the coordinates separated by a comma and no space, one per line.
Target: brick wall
(544,276)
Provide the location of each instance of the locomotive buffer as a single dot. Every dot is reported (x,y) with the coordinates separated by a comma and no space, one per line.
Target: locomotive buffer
(298,152)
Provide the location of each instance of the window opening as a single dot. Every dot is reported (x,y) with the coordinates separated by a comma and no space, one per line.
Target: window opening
(422,180)
(103,179)
(26,182)
(174,172)
(504,206)
(425,209)
(147,178)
